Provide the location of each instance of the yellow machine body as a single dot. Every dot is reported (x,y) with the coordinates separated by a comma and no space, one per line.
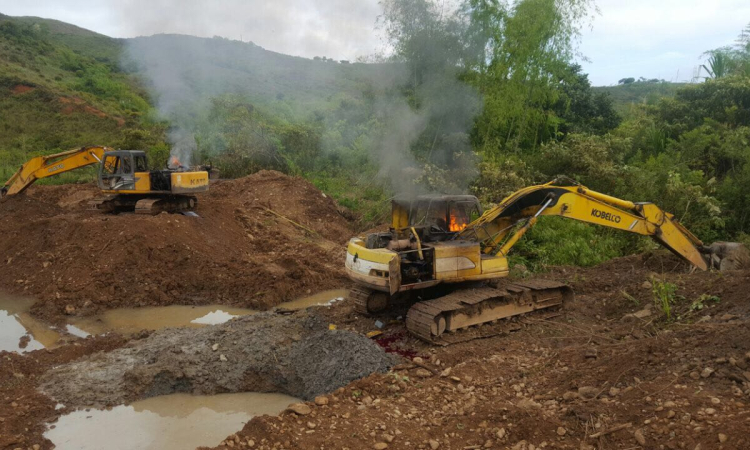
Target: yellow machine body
(123,175)
(478,251)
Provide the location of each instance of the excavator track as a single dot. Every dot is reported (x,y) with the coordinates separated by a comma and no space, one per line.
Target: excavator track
(368,301)
(464,314)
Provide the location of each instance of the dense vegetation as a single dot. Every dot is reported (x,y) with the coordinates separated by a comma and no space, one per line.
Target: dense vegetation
(53,98)
(486,99)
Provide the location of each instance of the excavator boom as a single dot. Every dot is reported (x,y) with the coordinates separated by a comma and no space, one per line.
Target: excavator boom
(51,165)
(495,228)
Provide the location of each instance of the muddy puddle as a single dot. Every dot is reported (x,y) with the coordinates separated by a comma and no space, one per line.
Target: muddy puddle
(20,332)
(169,422)
(319,299)
(133,320)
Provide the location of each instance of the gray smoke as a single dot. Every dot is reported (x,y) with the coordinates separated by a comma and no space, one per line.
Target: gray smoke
(418,149)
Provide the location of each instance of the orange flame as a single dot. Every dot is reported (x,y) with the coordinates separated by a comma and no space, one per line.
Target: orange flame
(454,225)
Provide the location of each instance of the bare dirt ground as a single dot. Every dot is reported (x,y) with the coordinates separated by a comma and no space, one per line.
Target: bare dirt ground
(238,253)
(597,376)
(592,378)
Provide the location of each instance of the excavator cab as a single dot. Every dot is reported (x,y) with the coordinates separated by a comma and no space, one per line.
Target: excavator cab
(118,169)
(439,213)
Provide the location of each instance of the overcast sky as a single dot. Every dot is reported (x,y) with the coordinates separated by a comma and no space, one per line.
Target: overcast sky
(629,38)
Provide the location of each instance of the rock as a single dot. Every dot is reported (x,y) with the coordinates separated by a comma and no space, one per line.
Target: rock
(321,400)
(527,403)
(722,438)
(423,373)
(710,411)
(570,395)
(614,392)
(250,443)
(70,309)
(500,433)
(669,404)
(434,445)
(215,347)
(388,438)
(380,446)
(647,285)
(695,375)
(445,372)
(588,392)
(671,414)
(707,372)
(418,360)
(561,431)
(300,409)
(37,446)
(591,353)
(727,317)
(639,437)
(715,400)
(311,425)
(222,358)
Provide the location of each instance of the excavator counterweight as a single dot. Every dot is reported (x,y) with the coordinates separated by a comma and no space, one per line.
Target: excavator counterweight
(453,256)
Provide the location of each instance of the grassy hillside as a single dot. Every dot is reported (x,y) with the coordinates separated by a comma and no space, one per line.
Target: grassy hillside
(55,96)
(625,96)
(62,86)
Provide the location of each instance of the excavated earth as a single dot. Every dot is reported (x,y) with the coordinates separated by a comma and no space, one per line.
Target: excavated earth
(609,371)
(259,241)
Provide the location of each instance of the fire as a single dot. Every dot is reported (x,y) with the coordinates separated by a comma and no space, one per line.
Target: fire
(454,224)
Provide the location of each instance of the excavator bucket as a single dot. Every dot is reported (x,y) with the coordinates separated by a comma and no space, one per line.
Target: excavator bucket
(727,256)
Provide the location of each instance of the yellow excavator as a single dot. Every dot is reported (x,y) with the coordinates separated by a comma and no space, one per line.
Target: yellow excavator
(124,178)
(449,253)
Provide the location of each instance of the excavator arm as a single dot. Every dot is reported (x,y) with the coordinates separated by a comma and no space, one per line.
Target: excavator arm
(51,165)
(497,228)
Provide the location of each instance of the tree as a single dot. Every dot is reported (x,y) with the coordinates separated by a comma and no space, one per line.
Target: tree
(520,54)
(581,109)
(626,81)
(719,64)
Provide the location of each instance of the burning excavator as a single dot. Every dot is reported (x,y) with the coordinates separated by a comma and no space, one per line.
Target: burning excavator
(124,178)
(446,256)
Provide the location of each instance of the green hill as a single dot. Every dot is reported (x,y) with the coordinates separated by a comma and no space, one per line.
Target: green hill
(62,86)
(55,97)
(625,96)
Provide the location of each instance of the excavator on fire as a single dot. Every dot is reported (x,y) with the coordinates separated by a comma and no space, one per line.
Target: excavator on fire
(123,177)
(446,256)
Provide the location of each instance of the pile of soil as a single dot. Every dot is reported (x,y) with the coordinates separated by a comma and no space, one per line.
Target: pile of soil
(259,241)
(293,354)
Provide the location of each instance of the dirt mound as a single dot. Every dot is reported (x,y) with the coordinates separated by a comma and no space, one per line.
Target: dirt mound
(259,241)
(262,353)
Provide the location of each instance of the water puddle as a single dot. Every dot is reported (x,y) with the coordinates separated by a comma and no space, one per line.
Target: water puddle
(170,422)
(22,333)
(319,299)
(19,332)
(133,320)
